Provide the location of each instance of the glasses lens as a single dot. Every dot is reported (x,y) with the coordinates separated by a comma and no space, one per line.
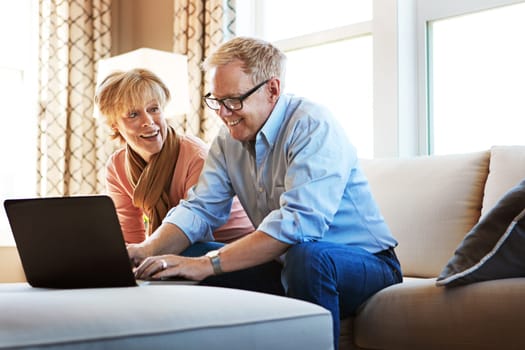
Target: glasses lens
(212,103)
(232,104)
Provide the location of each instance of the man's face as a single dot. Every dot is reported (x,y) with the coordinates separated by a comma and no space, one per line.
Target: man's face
(229,81)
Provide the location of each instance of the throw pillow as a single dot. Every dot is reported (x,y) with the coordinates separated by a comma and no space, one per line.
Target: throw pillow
(494,248)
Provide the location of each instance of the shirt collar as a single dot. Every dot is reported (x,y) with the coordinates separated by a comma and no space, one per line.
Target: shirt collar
(273,124)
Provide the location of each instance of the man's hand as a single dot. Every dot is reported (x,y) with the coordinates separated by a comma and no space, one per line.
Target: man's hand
(165,266)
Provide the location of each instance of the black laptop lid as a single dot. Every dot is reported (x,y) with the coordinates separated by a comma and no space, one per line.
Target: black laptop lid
(70,242)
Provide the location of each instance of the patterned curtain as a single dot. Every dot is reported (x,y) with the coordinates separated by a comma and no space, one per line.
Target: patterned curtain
(72,146)
(199,27)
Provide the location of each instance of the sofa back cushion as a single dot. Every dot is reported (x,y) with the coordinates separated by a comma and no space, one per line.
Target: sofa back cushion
(506,170)
(430,203)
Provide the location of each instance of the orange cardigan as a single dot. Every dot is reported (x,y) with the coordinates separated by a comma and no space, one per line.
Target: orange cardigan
(192,153)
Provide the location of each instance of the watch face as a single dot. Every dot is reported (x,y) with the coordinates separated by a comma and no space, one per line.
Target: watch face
(212,253)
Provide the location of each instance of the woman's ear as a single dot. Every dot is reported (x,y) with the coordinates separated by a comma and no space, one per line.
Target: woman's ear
(114,130)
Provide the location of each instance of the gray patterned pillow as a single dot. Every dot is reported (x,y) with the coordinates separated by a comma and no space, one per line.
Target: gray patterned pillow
(494,248)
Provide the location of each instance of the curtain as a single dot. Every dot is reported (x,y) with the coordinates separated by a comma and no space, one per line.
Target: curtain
(72,146)
(199,27)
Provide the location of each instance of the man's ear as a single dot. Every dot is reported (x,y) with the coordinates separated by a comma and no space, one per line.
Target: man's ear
(274,86)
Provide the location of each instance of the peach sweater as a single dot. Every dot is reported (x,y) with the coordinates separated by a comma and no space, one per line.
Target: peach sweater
(192,153)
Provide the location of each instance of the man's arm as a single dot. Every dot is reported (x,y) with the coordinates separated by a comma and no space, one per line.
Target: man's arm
(251,250)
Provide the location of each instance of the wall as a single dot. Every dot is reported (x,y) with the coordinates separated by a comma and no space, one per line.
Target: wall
(141,23)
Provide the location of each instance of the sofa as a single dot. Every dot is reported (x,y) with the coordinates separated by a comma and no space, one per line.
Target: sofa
(431,203)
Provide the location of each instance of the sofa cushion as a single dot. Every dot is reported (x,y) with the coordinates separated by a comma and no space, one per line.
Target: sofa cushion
(416,314)
(429,202)
(507,168)
(494,248)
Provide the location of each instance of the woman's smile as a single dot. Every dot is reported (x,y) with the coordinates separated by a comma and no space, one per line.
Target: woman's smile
(150,134)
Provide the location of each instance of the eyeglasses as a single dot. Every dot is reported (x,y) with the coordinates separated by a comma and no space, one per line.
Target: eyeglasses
(230,103)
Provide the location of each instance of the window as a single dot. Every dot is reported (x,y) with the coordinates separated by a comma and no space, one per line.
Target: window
(329,50)
(477,70)
(421,69)
(17,94)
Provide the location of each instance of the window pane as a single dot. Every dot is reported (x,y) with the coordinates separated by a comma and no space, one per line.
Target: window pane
(286,19)
(477,80)
(17,86)
(338,75)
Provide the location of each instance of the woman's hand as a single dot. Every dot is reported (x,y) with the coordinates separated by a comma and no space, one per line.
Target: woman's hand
(167,239)
(137,253)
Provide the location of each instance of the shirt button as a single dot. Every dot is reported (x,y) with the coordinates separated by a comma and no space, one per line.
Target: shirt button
(261,189)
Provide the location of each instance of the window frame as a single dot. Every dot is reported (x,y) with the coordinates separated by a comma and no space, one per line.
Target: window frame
(428,11)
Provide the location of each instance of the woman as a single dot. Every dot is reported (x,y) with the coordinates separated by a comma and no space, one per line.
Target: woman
(156,166)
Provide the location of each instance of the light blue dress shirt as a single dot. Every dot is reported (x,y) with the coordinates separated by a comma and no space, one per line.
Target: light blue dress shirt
(300,181)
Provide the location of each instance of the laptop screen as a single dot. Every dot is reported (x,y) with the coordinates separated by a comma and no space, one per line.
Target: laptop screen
(70,242)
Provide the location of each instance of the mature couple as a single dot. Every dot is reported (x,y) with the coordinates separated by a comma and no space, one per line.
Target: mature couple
(278,204)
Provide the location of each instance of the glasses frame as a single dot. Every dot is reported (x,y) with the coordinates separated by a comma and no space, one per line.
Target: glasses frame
(234,100)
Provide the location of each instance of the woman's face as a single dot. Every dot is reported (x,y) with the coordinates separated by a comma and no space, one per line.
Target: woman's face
(144,128)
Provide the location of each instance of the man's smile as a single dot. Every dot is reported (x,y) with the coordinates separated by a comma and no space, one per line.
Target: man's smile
(233,122)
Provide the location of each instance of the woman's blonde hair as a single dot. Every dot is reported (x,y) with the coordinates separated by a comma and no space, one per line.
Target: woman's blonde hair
(261,60)
(122,90)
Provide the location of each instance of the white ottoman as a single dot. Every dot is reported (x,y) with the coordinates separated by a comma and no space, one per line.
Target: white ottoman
(158,317)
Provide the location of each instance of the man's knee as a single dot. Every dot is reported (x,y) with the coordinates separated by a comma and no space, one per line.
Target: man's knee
(306,263)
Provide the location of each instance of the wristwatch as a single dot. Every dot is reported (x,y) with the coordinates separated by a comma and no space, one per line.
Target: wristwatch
(215,260)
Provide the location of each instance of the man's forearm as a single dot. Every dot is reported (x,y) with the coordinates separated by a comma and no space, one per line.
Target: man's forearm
(251,250)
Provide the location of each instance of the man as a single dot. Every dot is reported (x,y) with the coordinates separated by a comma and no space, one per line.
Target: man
(298,178)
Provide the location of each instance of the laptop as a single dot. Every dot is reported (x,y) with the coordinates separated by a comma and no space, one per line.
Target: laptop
(71,242)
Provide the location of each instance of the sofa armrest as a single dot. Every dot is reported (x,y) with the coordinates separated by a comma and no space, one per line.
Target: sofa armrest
(10,266)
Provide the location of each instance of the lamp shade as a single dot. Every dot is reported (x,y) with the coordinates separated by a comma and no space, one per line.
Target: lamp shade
(172,69)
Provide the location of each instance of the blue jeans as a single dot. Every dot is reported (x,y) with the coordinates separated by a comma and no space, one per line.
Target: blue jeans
(201,248)
(336,276)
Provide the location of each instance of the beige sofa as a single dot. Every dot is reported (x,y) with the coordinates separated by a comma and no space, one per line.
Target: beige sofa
(430,204)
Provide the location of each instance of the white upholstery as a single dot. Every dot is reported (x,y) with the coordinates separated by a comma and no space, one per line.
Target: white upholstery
(158,317)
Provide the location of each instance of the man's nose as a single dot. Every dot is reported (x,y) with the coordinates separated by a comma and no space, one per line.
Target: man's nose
(223,111)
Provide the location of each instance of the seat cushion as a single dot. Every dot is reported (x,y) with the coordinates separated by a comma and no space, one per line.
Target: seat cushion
(158,317)
(416,314)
